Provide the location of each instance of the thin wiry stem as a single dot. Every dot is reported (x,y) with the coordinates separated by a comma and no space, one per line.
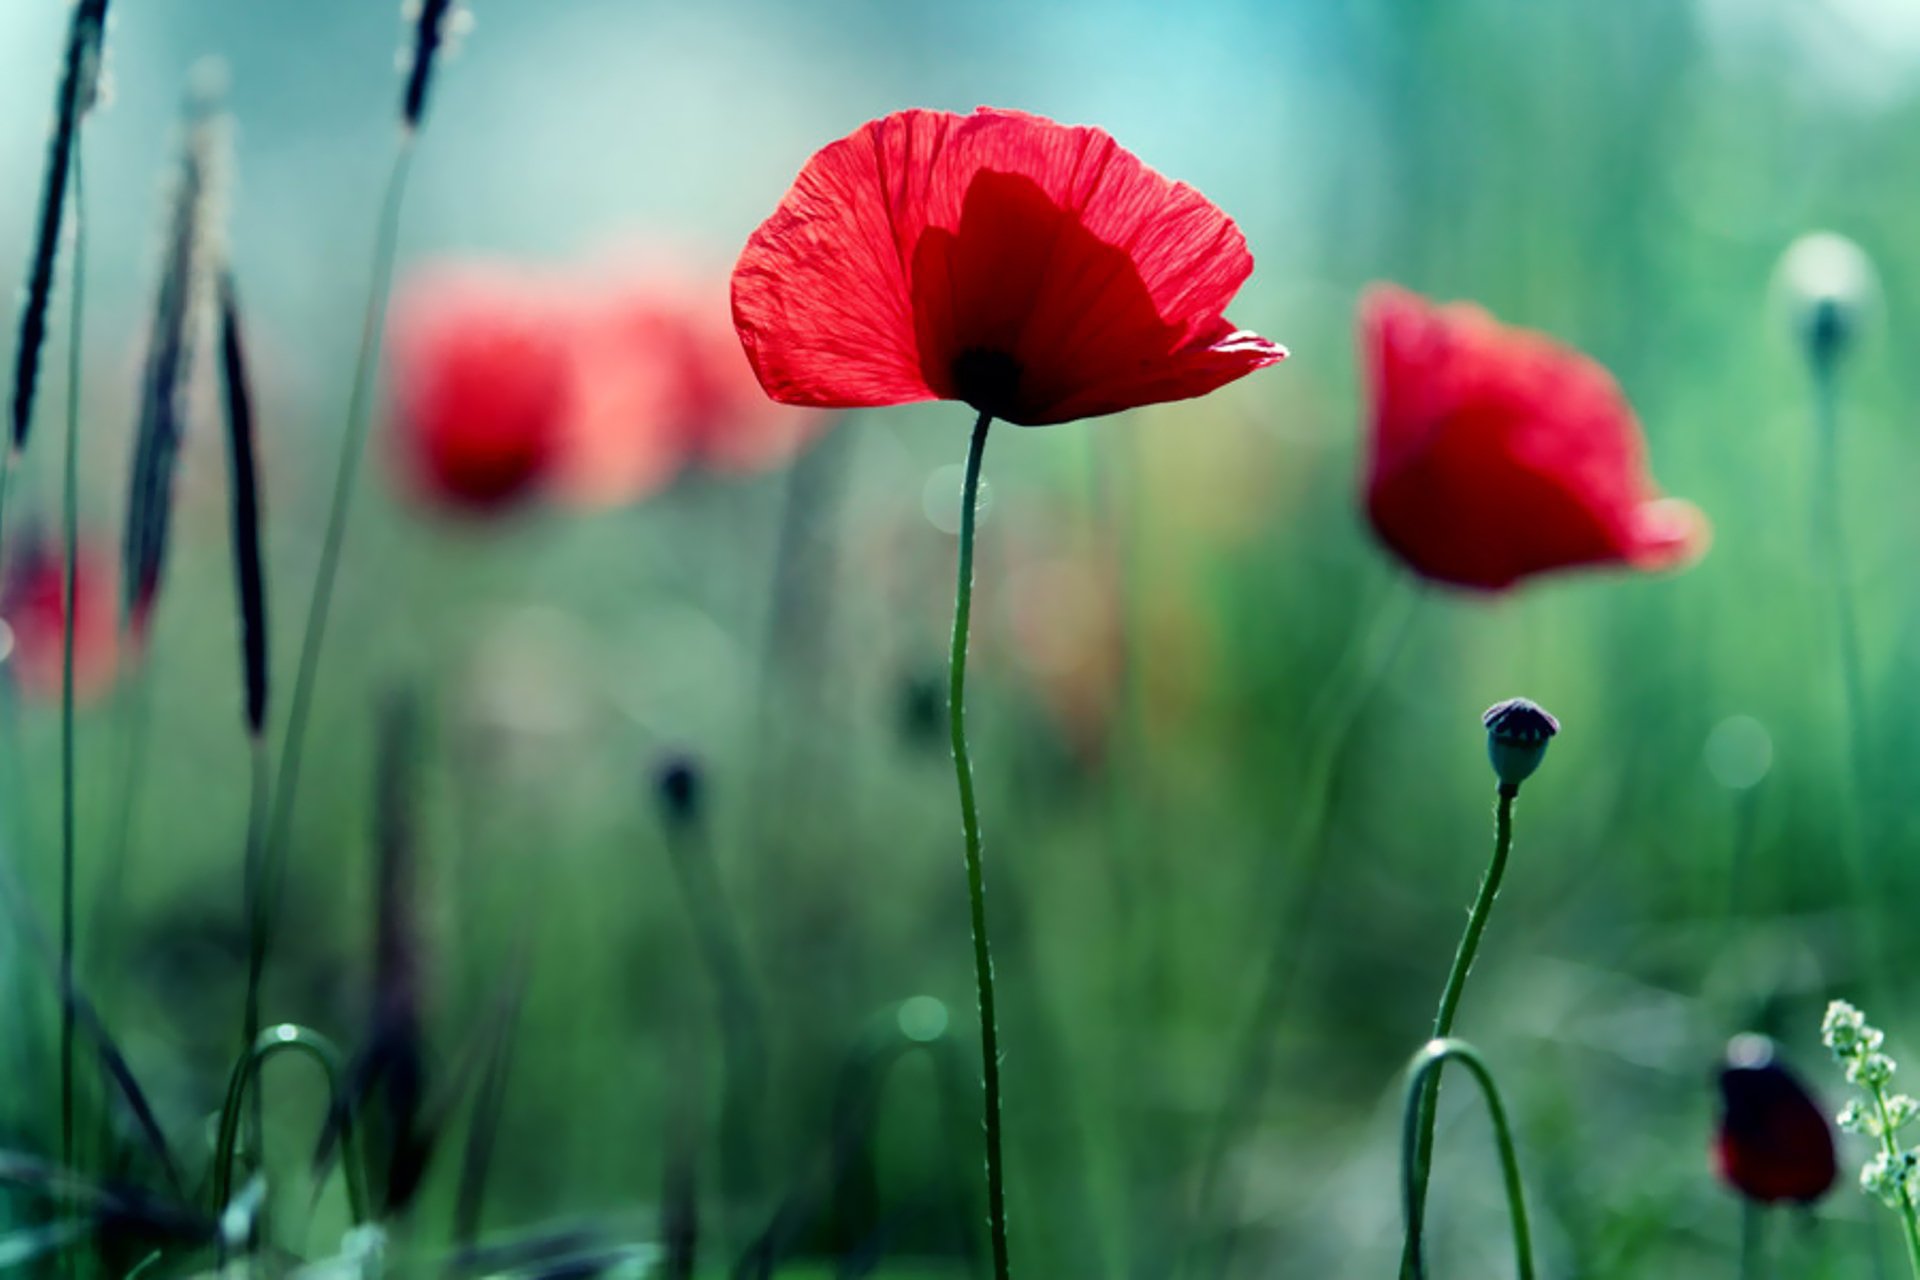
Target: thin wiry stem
(132,718)
(976,874)
(1334,715)
(1831,547)
(1424,1072)
(1421,1117)
(70,523)
(359,412)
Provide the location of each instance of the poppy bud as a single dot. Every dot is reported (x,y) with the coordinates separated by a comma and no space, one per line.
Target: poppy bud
(922,710)
(1773,1143)
(1518,731)
(678,784)
(1830,286)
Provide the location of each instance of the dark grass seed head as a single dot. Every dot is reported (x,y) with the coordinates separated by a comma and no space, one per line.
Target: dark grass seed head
(78,93)
(249,574)
(435,24)
(182,316)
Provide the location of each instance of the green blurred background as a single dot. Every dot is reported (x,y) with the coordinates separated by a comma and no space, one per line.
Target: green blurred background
(1185,637)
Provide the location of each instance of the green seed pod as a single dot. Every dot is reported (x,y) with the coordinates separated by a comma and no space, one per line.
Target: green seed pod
(1518,731)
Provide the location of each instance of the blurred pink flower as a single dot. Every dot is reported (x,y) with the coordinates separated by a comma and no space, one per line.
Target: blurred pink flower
(482,384)
(661,386)
(33,604)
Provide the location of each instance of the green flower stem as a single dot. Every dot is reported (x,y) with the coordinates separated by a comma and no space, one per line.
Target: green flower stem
(1909,1218)
(1831,548)
(352,446)
(976,875)
(246,1071)
(1753,1245)
(70,525)
(1424,1072)
(1421,1118)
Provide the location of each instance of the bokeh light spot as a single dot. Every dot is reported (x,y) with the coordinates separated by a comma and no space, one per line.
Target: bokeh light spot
(922,1018)
(941,498)
(1739,752)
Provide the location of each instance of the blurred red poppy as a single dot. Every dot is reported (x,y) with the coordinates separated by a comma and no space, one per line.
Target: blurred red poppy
(660,385)
(1497,453)
(1774,1143)
(481,385)
(1036,271)
(33,605)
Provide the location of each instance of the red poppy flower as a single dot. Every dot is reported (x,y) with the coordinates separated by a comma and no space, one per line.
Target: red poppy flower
(481,384)
(33,605)
(1498,453)
(1774,1143)
(1036,271)
(660,385)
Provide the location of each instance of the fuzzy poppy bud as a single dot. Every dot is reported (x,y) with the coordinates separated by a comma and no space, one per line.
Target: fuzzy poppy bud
(1518,731)
(678,784)
(1830,286)
(1773,1143)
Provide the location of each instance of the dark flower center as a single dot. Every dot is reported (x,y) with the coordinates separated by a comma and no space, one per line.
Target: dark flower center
(988,379)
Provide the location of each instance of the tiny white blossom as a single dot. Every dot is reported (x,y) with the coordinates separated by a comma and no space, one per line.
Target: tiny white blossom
(1858,1118)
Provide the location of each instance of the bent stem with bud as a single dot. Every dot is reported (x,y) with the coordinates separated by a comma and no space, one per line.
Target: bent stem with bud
(1893,1175)
(1517,735)
(1422,1074)
(976,875)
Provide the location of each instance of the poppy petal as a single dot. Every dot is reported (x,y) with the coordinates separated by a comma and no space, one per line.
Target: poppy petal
(1497,453)
(1037,271)
(820,294)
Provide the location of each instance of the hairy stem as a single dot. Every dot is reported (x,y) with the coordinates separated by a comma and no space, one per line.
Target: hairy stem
(976,873)
(1425,1071)
(1421,1117)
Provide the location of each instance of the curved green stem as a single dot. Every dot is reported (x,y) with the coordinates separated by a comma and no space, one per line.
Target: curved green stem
(976,874)
(1890,1145)
(1420,1152)
(352,446)
(287,1036)
(70,526)
(1423,1072)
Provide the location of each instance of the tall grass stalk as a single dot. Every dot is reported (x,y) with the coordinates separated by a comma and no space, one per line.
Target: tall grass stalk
(352,447)
(742,1028)
(70,529)
(976,872)
(78,89)
(250,599)
(1423,1073)
(430,31)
